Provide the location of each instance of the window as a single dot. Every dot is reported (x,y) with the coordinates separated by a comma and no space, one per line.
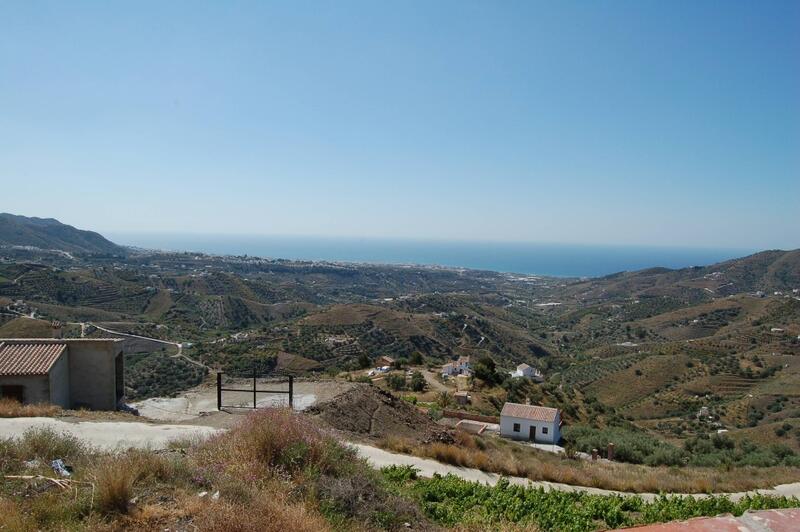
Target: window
(516,427)
(544,430)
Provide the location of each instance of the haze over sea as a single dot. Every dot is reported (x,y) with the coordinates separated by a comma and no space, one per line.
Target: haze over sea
(566,260)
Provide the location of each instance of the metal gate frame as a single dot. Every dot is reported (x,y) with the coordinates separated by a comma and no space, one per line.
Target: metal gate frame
(254,389)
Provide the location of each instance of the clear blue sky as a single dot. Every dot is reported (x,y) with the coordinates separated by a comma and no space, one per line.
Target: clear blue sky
(666,123)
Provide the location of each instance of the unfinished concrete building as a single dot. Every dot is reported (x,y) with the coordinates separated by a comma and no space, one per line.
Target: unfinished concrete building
(71,373)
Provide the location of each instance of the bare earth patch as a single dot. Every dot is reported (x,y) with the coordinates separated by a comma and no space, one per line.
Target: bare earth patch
(369,412)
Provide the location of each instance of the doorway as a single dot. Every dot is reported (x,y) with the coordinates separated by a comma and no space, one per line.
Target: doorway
(532,433)
(13,391)
(119,378)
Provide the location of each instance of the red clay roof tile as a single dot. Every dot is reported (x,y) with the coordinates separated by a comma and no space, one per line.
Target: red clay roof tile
(29,358)
(535,413)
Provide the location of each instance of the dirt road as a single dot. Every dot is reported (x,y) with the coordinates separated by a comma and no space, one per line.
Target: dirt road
(191,404)
(427,468)
(108,435)
(434,384)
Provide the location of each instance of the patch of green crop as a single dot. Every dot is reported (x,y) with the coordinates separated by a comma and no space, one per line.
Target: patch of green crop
(452,501)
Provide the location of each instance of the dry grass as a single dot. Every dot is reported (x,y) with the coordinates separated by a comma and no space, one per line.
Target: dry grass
(13,408)
(269,511)
(26,328)
(507,458)
(269,443)
(464,452)
(12,518)
(115,476)
(100,415)
(398,444)
(270,472)
(274,471)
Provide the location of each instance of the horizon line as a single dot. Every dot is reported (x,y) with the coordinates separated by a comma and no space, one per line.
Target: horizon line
(436,240)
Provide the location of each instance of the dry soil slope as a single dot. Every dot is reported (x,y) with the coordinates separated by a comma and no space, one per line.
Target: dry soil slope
(366,411)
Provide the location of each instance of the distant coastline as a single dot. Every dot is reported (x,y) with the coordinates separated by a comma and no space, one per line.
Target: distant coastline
(560,260)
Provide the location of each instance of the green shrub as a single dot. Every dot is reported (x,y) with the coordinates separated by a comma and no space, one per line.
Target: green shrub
(719,449)
(485,369)
(418,383)
(759,459)
(629,446)
(708,460)
(399,474)
(665,456)
(396,382)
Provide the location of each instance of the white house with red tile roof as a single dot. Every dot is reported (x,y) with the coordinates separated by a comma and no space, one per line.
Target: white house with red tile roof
(538,424)
(71,373)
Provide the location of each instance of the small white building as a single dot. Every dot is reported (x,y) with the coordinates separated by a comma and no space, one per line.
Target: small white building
(448,370)
(459,367)
(528,372)
(538,424)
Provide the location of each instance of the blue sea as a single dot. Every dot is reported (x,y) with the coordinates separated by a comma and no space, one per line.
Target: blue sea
(564,260)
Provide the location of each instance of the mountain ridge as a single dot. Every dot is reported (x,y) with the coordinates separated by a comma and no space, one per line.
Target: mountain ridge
(49,233)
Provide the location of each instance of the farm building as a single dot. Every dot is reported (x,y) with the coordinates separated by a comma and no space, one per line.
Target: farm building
(71,373)
(385,361)
(462,398)
(528,372)
(538,424)
(459,367)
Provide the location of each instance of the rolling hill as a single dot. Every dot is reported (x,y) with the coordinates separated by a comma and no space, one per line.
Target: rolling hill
(767,271)
(647,350)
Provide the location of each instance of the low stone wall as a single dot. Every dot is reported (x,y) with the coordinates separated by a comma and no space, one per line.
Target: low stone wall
(473,417)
